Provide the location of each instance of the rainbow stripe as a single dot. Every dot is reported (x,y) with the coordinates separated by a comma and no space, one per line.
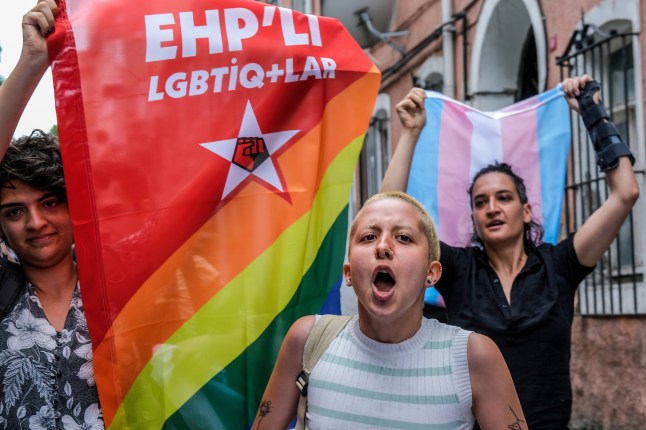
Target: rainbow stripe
(188,295)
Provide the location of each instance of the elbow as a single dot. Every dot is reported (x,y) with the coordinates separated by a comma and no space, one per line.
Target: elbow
(630,194)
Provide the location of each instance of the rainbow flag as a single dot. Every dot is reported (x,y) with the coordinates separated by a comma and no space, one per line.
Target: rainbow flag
(533,136)
(209,149)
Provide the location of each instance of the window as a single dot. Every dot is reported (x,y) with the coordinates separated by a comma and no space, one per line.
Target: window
(304,6)
(433,82)
(616,287)
(374,157)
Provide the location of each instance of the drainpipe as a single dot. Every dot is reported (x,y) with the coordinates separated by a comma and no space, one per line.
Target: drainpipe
(447,49)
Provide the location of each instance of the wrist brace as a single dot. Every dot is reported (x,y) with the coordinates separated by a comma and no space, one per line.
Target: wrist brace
(605,137)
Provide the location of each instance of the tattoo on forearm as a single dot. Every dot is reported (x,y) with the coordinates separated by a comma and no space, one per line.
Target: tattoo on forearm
(265,408)
(516,425)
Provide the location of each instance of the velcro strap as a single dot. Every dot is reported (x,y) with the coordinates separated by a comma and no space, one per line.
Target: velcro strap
(608,158)
(601,134)
(606,129)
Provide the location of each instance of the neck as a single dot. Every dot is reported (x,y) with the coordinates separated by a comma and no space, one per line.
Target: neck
(507,259)
(53,281)
(389,331)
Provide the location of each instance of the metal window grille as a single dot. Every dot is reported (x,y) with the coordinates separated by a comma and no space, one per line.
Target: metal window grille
(373,160)
(616,287)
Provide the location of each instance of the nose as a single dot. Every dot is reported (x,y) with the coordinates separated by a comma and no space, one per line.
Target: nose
(492,207)
(35,220)
(384,249)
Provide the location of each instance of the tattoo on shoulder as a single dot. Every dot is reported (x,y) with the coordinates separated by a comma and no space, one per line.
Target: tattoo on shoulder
(516,425)
(265,408)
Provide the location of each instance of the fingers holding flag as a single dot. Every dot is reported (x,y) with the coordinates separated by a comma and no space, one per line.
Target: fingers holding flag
(572,87)
(36,25)
(17,89)
(411,109)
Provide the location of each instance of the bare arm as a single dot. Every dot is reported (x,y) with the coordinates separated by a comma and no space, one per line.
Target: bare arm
(597,233)
(280,399)
(413,118)
(21,83)
(495,402)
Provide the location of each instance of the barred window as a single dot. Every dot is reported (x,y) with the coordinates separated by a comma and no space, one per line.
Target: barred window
(616,287)
(374,156)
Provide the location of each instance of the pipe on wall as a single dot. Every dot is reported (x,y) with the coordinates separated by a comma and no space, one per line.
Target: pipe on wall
(447,49)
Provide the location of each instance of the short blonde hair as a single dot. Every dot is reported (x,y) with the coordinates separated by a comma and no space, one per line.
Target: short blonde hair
(426,222)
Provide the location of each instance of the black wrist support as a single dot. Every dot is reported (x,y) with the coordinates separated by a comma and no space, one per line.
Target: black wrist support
(605,137)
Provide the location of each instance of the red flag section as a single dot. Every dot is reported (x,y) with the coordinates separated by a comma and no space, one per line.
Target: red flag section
(196,137)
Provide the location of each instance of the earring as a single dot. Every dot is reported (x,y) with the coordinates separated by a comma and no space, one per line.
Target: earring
(348,281)
(429,282)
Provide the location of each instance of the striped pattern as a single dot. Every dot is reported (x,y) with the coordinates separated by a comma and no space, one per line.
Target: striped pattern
(422,382)
(533,136)
(188,295)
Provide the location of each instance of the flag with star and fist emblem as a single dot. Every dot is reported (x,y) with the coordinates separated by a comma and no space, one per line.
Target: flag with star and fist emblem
(209,149)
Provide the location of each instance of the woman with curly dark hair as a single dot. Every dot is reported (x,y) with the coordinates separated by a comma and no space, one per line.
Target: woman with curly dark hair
(45,352)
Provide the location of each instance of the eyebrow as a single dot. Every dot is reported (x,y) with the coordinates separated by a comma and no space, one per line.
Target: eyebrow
(18,204)
(396,228)
(504,190)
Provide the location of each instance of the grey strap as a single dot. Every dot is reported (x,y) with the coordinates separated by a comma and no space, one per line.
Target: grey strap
(323,333)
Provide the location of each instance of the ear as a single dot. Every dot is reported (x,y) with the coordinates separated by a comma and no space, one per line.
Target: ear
(434,272)
(473,222)
(347,275)
(527,213)
(474,233)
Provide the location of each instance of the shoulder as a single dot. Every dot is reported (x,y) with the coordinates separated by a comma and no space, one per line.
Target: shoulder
(456,254)
(564,255)
(441,331)
(562,249)
(468,251)
(302,327)
(299,332)
(482,353)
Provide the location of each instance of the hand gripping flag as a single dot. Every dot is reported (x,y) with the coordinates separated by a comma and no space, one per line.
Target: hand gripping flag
(209,149)
(533,136)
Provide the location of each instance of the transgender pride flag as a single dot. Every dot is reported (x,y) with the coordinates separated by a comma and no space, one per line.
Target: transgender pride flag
(533,136)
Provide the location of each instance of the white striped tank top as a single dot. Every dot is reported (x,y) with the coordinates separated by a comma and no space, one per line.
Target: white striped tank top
(421,383)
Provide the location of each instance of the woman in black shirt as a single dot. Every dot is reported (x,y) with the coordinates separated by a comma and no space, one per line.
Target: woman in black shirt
(513,288)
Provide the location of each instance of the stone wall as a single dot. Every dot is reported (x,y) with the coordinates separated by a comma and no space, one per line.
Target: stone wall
(609,373)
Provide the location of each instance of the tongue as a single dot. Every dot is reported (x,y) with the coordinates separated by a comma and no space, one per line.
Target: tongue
(383,288)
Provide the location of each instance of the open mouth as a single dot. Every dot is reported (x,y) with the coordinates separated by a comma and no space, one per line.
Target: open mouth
(384,281)
(383,285)
(495,223)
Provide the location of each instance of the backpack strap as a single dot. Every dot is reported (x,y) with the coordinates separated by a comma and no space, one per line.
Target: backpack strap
(323,333)
(12,282)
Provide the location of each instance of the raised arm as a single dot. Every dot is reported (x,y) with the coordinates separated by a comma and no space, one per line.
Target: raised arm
(280,399)
(596,234)
(412,115)
(495,402)
(21,83)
